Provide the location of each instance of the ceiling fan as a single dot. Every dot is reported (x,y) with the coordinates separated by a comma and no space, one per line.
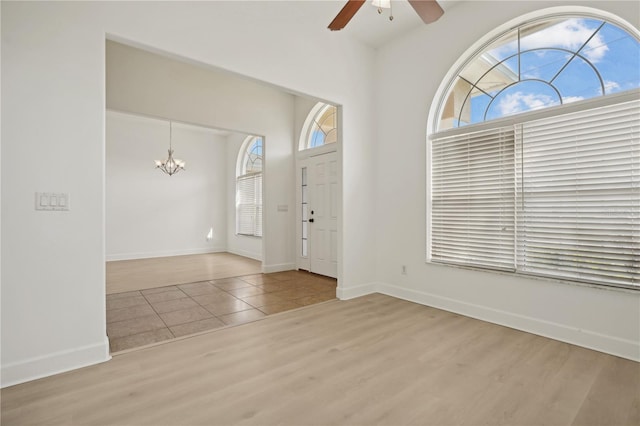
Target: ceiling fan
(428,10)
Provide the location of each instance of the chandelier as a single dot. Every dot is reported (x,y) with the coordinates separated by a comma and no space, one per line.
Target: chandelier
(171,165)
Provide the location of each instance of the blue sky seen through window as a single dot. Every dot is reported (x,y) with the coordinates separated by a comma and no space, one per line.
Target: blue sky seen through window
(542,64)
(253,157)
(323,129)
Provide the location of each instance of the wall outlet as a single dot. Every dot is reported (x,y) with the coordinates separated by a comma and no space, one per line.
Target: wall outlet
(404,269)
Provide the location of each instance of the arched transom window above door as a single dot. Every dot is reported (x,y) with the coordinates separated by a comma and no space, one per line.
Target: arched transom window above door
(542,63)
(320,128)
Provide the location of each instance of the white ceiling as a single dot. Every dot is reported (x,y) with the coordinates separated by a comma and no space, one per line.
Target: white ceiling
(373,29)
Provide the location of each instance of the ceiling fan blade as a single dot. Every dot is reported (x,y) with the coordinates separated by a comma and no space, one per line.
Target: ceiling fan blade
(345,14)
(428,10)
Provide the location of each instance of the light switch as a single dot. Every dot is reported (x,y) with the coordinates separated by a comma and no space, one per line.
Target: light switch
(50,201)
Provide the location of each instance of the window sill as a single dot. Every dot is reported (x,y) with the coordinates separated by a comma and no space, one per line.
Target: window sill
(540,278)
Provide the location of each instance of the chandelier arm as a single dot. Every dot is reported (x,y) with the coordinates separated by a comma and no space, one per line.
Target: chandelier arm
(171,165)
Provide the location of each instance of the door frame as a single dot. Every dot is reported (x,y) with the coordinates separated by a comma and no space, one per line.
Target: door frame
(300,159)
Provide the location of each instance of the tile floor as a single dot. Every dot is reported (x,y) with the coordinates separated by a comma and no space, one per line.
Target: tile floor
(138,318)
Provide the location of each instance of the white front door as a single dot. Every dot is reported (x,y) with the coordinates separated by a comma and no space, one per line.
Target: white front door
(319,187)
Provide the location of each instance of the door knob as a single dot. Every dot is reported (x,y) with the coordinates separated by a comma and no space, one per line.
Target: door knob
(311,220)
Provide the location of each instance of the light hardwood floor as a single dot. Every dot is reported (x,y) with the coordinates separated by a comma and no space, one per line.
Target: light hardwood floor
(371,360)
(141,274)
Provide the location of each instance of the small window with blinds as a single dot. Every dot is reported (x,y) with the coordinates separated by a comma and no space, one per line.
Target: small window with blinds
(249,187)
(556,197)
(249,205)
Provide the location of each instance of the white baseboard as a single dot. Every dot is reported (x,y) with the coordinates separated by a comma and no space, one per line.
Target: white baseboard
(346,293)
(56,363)
(612,345)
(267,269)
(243,253)
(133,256)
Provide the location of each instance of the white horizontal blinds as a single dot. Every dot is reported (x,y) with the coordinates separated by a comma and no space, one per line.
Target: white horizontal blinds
(472,199)
(579,211)
(249,205)
(258,204)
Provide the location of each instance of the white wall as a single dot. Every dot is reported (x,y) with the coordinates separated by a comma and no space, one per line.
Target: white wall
(53,98)
(243,245)
(151,214)
(148,83)
(412,69)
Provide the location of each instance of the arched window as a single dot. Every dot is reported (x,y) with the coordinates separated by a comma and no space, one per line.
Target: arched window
(553,192)
(547,62)
(320,127)
(249,187)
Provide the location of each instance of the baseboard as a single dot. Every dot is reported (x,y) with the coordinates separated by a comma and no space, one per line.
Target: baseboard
(346,293)
(612,345)
(267,269)
(148,255)
(56,363)
(243,253)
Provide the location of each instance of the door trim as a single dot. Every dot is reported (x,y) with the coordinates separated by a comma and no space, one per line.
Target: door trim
(305,262)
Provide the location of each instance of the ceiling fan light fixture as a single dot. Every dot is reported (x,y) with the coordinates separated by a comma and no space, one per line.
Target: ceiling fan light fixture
(428,10)
(381,4)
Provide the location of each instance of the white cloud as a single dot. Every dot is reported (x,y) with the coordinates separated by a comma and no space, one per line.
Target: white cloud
(513,103)
(568,34)
(569,99)
(611,86)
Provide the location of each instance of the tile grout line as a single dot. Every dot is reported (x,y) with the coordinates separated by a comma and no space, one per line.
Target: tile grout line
(158,314)
(242,300)
(225,291)
(214,315)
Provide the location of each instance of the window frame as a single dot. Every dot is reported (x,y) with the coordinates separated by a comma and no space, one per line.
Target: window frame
(478,47)
(440,99)
(311,119)
(242,175)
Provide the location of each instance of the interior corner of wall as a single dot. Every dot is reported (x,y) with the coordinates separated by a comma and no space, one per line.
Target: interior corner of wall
(351,292)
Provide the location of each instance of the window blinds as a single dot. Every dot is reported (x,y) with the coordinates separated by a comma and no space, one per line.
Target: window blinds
(472,203)
(579,205)
(555,197)
(249,205)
